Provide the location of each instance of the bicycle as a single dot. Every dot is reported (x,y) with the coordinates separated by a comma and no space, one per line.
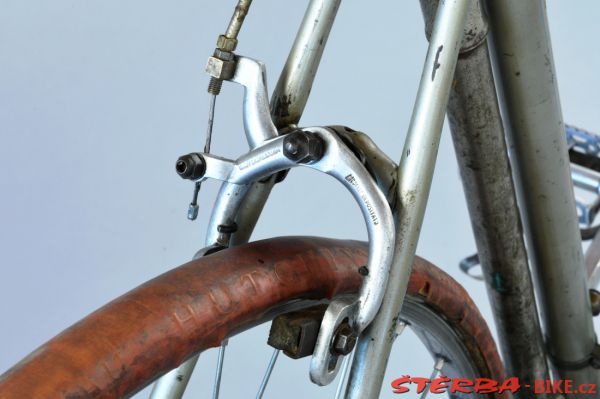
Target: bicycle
(350,139)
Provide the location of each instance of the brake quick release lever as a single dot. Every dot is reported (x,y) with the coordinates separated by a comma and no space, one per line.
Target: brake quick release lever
(321,149)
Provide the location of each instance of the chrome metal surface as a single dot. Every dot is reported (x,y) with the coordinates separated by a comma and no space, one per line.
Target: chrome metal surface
(585,178)
(415,173)
(249,209)
(243,203)
(588,180)
(257,164)
(582,140)
(339,162)
(296,79)
(524,62)
(592,262)
(257,117)
(381,166)
(310,35)
(267,376)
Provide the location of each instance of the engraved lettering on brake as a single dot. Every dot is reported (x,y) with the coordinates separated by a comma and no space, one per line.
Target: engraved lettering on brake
(258,158)
(352,180)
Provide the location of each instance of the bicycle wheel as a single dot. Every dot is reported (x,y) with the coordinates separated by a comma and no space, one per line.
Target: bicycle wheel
(125,345)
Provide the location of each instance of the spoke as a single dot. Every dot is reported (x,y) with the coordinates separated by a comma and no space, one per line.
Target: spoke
(219,371)
(345,369)
(265,381)
(437,369)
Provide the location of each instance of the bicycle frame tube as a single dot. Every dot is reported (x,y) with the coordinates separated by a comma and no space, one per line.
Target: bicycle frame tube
(415,173)
(523,60)
(243,204)
(296,79)
(478,137)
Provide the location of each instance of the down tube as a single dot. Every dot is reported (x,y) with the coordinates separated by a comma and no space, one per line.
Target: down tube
(523,60)
(415,173)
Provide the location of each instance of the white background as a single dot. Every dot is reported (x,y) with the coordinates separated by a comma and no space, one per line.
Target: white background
(98,99)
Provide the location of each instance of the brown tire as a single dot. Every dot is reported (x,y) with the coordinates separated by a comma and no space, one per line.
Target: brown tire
(131,341)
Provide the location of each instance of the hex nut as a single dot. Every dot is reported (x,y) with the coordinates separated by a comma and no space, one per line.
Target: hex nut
(226,43)
(191,166)
(223,55)
(220,69)
(303,147)
(344,340)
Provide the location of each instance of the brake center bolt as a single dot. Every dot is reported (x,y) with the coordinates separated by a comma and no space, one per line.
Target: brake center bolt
(303,147)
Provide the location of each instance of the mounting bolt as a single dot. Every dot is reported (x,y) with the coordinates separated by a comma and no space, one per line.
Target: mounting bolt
(344,340)
(303,147)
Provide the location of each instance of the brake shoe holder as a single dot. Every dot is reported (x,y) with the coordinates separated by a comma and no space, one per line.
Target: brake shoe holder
(321,149)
